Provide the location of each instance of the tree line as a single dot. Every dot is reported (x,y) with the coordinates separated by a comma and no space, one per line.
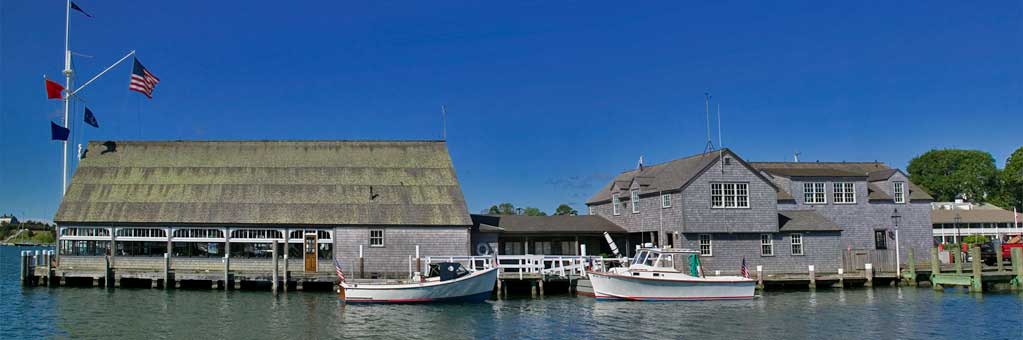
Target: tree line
(971,174)
(510,209)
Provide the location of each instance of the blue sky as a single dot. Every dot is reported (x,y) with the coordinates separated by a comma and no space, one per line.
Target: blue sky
(547,100)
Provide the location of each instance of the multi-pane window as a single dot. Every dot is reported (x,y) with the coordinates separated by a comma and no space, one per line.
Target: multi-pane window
(813,193)
(666,201)
(198,233)
(634,198)
(766,245)
(844,192)
(615,201)
(705,245)
(376,238)
(85,232)
(880,239)
(257,233)
(797,244)
(899,190)
(729,195)
(141,232)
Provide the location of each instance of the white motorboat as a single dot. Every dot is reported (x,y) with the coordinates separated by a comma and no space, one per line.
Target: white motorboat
(655,274)
(453,283)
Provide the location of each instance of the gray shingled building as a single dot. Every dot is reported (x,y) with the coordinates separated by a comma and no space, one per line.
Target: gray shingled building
(202,200)
(781,215)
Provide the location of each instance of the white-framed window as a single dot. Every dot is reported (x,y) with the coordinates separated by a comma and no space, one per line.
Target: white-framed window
(844,192)
(899,190)
(766,245)
(376,238)
(665,200)
(729,195)
(814,193)
(797,244)
(590,208)
(634,199)
(615,201)
(706,248)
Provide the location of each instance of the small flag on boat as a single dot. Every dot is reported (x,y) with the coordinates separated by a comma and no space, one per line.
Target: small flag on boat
(58,132)
(744,270)
(74,6)
(142,81)
(337,268)
(53,90)
(90,118)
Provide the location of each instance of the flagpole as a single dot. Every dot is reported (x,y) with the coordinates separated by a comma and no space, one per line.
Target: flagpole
(67,82)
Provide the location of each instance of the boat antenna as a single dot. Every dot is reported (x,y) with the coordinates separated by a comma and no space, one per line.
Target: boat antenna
(444,122)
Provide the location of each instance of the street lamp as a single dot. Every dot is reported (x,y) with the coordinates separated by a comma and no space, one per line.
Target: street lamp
(898,256)
(957,219)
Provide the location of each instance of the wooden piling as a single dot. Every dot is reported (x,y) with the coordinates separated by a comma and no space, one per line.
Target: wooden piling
(532,289)
(419,261)
(273,254)
(227,271)
(49,269)
(911,264)
(499,284)
(362,264)
(999,258)
(166,273)
(958,261)
(1017,268)
(107,273)
(540,283)
(760,277)
(978,274)
(841,278)
(284,285)
(813,278)
(935,268)
(22,267)
(868,273)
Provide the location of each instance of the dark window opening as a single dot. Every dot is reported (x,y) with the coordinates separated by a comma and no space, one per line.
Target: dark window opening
(880,239)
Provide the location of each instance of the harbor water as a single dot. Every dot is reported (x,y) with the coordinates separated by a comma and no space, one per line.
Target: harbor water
(140,313)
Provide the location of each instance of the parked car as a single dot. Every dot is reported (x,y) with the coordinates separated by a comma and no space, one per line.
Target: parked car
(990,258)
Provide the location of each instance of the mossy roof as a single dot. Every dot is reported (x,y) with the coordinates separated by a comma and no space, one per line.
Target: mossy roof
(266,182)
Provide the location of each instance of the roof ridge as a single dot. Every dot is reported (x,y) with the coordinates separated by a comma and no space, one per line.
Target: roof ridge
(673,160)
(273,140)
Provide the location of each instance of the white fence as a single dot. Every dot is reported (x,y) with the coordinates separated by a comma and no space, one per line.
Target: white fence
(528,266)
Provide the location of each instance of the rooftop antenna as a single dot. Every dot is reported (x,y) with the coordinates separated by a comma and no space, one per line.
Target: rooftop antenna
(444,122)
(706,103)
(795,156)
(721,144)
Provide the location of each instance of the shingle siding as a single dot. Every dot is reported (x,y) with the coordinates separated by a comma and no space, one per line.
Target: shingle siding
(391,260)
(699,216)
(820,249)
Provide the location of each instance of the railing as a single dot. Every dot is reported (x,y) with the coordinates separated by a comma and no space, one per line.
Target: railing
(525,266)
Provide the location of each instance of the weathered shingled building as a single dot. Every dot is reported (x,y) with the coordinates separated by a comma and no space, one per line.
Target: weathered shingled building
(784,216)
(202,200)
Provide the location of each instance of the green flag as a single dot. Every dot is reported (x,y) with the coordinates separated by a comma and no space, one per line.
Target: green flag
(694,265)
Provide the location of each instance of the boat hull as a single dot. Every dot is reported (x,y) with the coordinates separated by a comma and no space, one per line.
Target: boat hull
(475,287)
(608,286)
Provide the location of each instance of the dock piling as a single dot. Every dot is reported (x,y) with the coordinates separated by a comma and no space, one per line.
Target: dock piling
(868,272)
(813,278)
(273,284)
(911,263)
(760,277)
(841,278)
(1017,268)
(22,268)
(935,269)
(999,259)
(166,273)
(284,285)
(362,264)
(958,261)
(227,271)
(977,283)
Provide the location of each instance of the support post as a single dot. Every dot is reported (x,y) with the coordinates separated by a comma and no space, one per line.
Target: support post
(419,261)
(49,268)
(227,271)
(958,258)
(532,289)
(935,268)
(911,266)
(284,285)
(106,272)
(22,267)
(841,278)
(813,278)
(540,283)
(868,272)
(1017,268)
(760,277)
(275,278)
(362,264)
(999,258)
(499,284)
(977,284)
(166,271)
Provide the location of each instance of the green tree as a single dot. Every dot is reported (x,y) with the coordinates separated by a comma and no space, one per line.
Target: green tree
(947,173)
(1011,180)
(502,209)
(565,209)
(531,211)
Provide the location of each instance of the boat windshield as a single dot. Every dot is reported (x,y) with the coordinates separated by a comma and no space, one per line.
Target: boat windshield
(665,261)
(640,257)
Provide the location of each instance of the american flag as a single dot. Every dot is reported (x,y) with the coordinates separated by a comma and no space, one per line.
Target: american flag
(337,268)
(142,81)
(744,270)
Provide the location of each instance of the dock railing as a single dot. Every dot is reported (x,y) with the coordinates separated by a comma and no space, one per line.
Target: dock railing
(530,266)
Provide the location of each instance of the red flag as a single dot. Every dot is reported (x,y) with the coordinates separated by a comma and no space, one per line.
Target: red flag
(53,90)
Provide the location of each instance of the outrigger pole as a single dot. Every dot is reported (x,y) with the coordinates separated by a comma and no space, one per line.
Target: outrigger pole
(68,73)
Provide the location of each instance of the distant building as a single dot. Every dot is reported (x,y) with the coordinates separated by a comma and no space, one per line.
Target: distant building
(955,220)
(782,215)
(202,200)
(8,219)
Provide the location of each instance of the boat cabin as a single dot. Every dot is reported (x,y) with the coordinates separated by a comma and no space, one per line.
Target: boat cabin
(653,259)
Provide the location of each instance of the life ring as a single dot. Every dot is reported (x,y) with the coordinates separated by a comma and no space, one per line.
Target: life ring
(482,249)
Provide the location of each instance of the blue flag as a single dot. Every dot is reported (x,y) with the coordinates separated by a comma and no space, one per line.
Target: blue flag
(58,132)
(90,118)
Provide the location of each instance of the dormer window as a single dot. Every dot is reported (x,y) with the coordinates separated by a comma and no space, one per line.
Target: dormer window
(844,193)
(615,201)
(634,198)
(899,192)
(813,193)
(666,201)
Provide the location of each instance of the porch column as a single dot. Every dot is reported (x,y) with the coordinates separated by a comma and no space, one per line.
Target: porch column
(525,245)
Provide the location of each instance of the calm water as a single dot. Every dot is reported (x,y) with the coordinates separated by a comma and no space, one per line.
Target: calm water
(882,313)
